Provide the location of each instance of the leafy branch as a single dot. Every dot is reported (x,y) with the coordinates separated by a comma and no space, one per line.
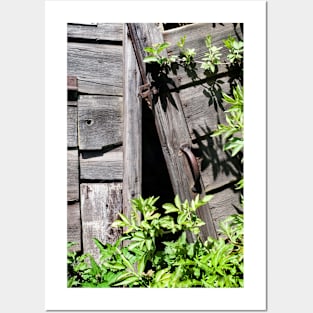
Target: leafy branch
(177,263)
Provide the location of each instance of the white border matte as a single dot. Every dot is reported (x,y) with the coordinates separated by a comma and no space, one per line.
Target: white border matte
(57,15)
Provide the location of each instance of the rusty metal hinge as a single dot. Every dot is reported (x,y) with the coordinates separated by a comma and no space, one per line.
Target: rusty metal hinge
(146,91)
(72,88)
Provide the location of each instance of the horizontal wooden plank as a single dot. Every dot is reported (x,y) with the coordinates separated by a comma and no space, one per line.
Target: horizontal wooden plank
(72,176)
(98,31)
(102,166)
(98,67)
(217,167)
(100,205)
(99,121)
(195,38)
(72,141)
(72,103)
(223,204)
(204,107)
(74,225)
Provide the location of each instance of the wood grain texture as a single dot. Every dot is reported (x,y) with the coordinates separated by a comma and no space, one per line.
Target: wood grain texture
(195,38)
(72,141)
(100,205)
(203,106)
(106,166)
(98,67)
(172,130)
(98,31)
(132,135)
(223,204)
(72,176)
(74,225)
(99,121)
(218,167)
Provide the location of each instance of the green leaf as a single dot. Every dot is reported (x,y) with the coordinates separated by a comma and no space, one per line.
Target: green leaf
(182,218)
(150,59)
(206,199)
(149,244)
(162,46)
(208,41)
(127,281)
(139,234)
(181,42)
(177,202)
(169,208)
(118,223)
(162,275)
(150,50)
(124,219)
(141,264)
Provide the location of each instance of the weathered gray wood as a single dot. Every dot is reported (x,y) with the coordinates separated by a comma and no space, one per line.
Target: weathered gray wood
(99,121)
(132,137)
(203,106)
(98,31)
(100,205)
(72,176)
(223,204)
(195,38)
(173,132)
(97,66)
(106,166)
(72,103)
(217,167)
(74,225)
(72,126)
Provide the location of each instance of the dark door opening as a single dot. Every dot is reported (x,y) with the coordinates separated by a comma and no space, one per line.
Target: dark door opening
(155,177)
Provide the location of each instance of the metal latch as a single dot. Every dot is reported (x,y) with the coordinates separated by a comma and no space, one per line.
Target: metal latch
(146,91)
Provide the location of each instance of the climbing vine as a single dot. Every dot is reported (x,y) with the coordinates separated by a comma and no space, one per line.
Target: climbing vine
(233,130)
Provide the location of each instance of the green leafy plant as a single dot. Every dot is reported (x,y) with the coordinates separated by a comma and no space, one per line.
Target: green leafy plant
(233,130)
(170,264)
(212,57)
(235,49)
(155,54)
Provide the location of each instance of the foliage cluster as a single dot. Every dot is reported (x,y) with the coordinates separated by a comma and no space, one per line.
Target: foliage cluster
(143,256)
(186,57)
(233,131)
(142,262)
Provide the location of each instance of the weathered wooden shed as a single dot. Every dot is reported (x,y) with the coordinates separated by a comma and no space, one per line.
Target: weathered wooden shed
(121,145)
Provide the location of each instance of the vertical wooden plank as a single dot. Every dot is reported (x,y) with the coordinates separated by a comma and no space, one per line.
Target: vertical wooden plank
(100,205)
(72,176)
(74,225)
(72,126)
(132,136)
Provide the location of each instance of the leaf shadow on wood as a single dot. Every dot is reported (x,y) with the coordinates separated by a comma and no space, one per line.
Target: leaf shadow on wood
(239,37)
(87,154)
(210,151)
(164,84)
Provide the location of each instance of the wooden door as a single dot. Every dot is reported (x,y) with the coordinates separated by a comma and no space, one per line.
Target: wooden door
(105,127)
(186,111)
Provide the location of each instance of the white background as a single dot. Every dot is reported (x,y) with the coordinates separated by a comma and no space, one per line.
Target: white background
(23,168)
(253,295)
